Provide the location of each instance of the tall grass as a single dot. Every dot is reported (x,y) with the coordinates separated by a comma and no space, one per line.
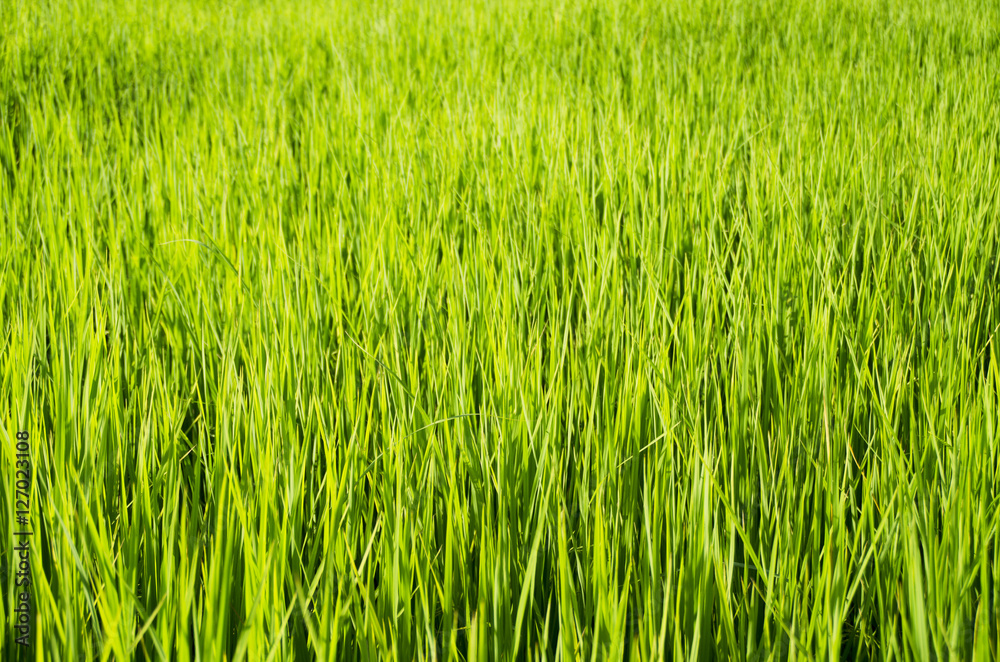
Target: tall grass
(501,330)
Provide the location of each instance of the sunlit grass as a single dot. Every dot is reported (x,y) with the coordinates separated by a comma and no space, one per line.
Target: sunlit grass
(502,330)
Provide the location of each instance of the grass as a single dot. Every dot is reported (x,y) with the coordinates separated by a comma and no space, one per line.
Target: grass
(502,330)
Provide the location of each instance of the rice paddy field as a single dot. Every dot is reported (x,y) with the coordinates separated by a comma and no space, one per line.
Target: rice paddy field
(494,330)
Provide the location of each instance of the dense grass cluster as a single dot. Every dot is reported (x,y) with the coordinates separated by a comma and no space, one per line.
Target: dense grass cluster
(503,330)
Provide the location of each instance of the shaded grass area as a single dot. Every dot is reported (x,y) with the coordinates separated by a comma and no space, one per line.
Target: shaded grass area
(491,331)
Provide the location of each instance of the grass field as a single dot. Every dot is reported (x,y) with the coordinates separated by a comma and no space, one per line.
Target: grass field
(502,330)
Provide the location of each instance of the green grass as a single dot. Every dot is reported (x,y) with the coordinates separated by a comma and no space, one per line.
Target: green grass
(503,330)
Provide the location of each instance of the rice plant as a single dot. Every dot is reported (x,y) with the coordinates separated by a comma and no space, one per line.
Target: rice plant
(495,330)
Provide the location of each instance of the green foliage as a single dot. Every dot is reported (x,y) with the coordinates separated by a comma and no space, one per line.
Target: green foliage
(502,330)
